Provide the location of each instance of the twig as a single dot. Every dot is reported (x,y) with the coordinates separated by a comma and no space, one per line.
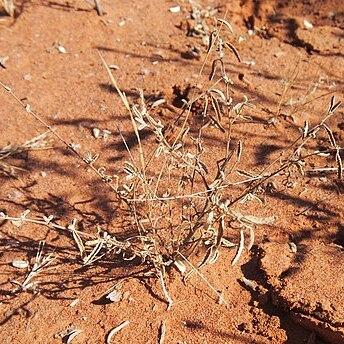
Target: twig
(204,279)
(99,7)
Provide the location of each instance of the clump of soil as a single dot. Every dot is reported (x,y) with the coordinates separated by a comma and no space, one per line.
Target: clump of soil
(308,284)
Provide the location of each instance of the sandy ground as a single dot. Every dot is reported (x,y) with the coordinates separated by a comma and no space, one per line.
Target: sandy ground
(291,65)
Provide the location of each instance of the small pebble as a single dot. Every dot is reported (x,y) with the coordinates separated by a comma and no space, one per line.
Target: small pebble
(27,77)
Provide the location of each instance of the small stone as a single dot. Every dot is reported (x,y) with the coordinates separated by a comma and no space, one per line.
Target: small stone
(27,77)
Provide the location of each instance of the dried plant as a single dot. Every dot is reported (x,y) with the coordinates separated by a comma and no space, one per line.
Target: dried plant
(178,205)
(11,150)
(41,262)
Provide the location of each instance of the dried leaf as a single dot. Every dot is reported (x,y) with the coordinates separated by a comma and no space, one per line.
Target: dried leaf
(293,247)
(174,9)
(74,302)
(162,331)
(250,284)
(220,93)
(305,130)
(340,165)
(215,257)
(240,248)
(259,220)
(96,132)
(20,264)
(330,135)
(90,258)
(226,243)
(213,68)
(180,266)
(225,22)
(236,53)
(239,151)
(79,243)
(115,330)
(158,102)
(114,296)
(251,242)
(72,334)
(211,40)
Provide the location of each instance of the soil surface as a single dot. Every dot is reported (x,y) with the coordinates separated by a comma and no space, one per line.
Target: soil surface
(292,63)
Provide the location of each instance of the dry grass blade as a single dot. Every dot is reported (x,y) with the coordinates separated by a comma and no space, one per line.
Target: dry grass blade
(80,244)
(11,150)
(93,255)
(240,248)
(162,332)
(330,135)
(126,104)
(250,284)
(163,286)
(72,334)
(305,130)
(251,242)
(40,263)
(234,50)
(205,280)
(340,165)
(226,23)
(115,330)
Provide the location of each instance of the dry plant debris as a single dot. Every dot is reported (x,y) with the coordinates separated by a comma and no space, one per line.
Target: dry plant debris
(177,205)
(115,330)
(11,150)
(41,263)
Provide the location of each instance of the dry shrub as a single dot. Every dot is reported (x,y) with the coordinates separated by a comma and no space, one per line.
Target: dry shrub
(178,205)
